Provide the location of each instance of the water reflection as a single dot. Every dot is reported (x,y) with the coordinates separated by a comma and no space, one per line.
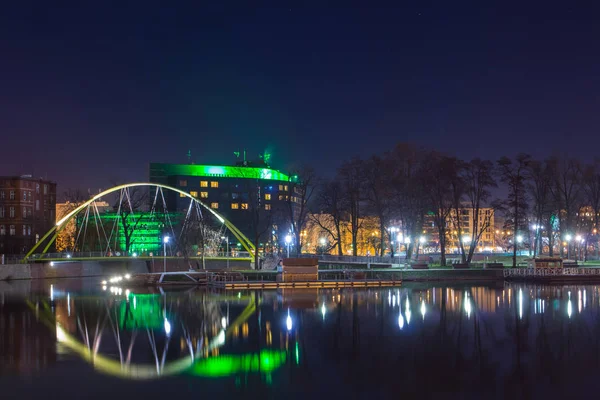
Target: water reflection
(518,341)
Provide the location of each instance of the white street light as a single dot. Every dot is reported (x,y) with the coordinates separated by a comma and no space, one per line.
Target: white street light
(422,239)
(568,237)
(519,239)
(226,239)
(165,241)
(288,240)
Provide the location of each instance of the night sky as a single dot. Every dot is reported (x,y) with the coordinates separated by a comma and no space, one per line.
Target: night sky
(90,92)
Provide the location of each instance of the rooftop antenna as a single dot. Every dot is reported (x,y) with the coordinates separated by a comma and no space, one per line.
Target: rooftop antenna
(189,156)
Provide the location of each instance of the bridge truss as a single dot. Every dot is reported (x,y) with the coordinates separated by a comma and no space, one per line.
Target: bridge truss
(135,220)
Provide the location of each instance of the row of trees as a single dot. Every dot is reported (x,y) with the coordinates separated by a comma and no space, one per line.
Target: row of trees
(405,184)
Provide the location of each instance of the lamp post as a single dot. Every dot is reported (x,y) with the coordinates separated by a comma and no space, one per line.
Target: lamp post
(165,241)
(226,239)
(323,243)
(568,240)
(578,242)
(519,241)
(393,231)
(288,240)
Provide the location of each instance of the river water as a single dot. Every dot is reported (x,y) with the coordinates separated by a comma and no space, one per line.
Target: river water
(74,339)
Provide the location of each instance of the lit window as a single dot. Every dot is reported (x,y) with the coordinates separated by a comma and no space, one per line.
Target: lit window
(267,207)
(45,189)
(235,206)
(11,212)
(280,197)
(181,194)
(2,230)
(244,206)
(268,196)
(285,188)
(183,183)
(204,195)
(24,195)
(214,205)
(214,184)
(194,193)
(280,187)
(12,230)
(12,195)
(37,187)
(203,183)
(24,230)
(28,230)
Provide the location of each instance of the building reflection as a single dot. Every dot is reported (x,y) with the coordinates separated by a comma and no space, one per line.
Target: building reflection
(26,345)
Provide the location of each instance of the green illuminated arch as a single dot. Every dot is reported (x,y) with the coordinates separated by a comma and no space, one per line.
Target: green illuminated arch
(53,233)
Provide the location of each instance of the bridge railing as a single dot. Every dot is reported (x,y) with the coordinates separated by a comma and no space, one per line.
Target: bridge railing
(356,259)
(99,254)
(537,272)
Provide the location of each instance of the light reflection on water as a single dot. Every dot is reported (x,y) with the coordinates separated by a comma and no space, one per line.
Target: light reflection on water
(518,341)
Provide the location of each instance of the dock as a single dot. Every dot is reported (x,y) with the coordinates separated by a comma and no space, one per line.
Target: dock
(301,284)
(239,280)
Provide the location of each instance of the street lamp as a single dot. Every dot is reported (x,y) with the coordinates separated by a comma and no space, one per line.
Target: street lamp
(323,243)
(568,238)
(226,239)
(288,240)
(165,241)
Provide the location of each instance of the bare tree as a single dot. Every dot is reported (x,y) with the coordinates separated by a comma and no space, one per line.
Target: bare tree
(540,184)
(591,187)
(378,184)
(408,191)
(567,192)
(65,239)
(351,178)
(478,179)
(514,174)
(440,172)
(331,214)
(129,208)
(297,209)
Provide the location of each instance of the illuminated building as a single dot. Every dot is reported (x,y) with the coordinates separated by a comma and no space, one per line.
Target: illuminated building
(240,193)
(27,207)
(145,238)
(463,224)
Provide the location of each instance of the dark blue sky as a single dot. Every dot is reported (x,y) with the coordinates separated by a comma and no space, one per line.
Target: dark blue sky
(90,92)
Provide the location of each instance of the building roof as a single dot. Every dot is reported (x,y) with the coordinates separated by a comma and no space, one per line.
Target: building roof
(222,171)
(25,178)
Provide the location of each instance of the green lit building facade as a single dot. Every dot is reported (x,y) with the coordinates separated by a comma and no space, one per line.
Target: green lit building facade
(144,236)
(239,193)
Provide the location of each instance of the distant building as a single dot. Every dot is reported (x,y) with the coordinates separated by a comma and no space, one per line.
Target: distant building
(27,212)
(246,194)
(465,220)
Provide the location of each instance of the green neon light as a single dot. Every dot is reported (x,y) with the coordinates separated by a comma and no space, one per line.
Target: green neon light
(220,171)
(148,232)
(297,354)
(141,311)
(215,367)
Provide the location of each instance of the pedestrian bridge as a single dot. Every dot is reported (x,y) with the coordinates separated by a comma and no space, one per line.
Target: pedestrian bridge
(133,221)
